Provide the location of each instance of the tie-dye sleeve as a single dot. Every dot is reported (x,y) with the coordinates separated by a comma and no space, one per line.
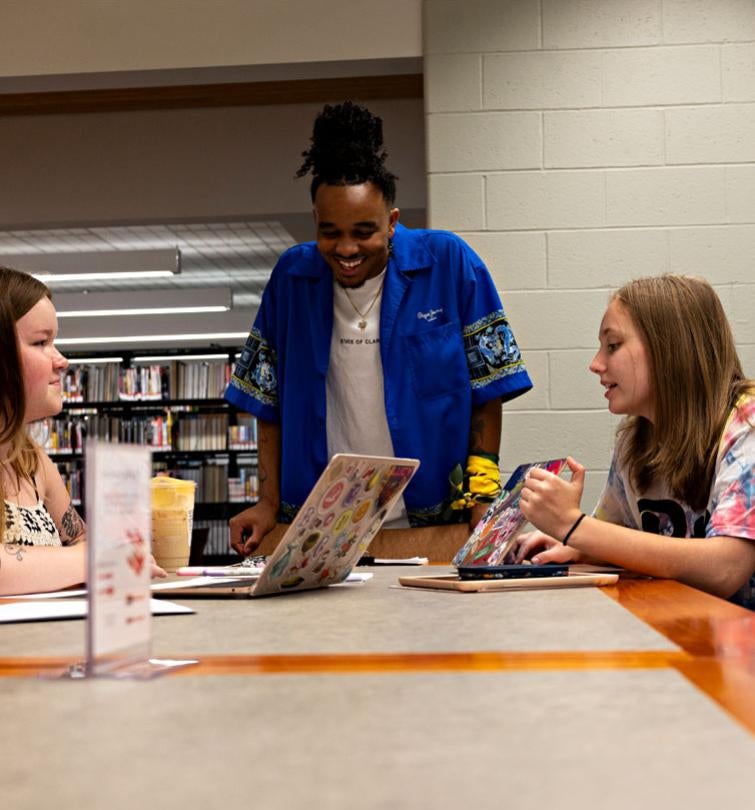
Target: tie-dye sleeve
(613,504)
(732,502)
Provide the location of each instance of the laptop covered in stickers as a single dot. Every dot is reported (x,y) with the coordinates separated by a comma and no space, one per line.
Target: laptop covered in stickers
(335,525)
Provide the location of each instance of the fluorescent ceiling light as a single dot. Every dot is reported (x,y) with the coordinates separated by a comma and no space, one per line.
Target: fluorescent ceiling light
(77,361)
(82,265)
(101,313)
(126,275)
(166,332)
(151,359)
(143,302)
(205,336)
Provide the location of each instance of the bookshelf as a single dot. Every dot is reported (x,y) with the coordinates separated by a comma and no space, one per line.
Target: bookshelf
(172,402)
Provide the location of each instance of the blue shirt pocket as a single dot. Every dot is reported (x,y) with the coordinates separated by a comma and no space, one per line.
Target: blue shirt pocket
(436,361)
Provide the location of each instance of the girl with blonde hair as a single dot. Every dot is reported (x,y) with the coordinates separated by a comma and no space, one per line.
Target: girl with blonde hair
(679,500)
(41,535)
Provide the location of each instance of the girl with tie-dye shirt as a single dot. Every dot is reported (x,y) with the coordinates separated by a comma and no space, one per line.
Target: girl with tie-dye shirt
(679,501)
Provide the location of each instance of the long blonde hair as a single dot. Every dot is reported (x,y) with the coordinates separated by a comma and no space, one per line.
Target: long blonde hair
(696,379)
(19,292)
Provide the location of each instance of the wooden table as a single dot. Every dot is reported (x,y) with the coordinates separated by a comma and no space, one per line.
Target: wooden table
(378,696)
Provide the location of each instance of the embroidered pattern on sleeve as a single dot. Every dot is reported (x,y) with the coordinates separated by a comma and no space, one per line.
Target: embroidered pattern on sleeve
(255,372)
(491,349)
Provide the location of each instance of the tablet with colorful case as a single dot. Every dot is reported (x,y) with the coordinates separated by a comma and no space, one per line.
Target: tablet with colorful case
(494,536)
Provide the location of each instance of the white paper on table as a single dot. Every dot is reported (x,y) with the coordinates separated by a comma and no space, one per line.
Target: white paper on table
(202,582)
(179,584)
(173,585)
(78,593)
(358,577)
(31,611)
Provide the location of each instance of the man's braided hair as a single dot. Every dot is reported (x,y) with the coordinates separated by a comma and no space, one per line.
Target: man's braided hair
(347,149)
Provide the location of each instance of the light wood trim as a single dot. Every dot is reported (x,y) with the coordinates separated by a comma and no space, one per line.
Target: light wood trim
(231,94)
(351,663)
(697,622)
(437,662)
(718,637)
(730,683)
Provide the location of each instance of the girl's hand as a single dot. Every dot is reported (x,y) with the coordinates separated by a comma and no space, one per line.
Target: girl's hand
(539,549)
(550,503)
(530,543)
(157,572)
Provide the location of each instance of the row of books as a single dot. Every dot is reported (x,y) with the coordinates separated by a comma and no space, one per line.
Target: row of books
(142,383)
(64,435)
(218,536)
(213,482)
(202,431)
(97,383)
(178,379)
(60,435)
(71,473)
(245,487)
(211,476)
(163,432)
(198,380)
(243,435)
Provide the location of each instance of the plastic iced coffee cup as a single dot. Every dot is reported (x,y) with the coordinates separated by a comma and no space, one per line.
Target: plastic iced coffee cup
(172,518)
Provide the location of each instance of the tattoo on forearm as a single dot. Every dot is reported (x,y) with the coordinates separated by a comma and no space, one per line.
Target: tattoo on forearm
(71,527)
(262,440)
(16,550)
(262,477)
(476,432)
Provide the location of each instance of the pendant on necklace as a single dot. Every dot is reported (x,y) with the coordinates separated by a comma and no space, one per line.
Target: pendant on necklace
(363,324)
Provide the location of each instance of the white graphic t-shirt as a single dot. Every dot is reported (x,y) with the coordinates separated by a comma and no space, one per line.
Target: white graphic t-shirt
(356,421)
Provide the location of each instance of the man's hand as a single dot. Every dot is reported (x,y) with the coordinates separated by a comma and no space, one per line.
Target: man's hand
(250,526)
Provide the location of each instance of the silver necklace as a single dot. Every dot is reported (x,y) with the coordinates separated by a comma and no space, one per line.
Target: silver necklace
(362,323)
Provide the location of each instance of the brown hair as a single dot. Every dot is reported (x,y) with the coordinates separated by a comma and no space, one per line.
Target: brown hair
(19,292)
(696,379)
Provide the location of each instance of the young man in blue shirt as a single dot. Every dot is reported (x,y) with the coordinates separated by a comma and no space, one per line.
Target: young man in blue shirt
(374,339)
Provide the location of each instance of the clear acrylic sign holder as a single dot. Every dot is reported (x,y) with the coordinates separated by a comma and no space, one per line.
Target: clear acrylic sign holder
(119,529)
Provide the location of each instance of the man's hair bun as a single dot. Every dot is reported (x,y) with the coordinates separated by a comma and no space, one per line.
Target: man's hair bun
(347,149)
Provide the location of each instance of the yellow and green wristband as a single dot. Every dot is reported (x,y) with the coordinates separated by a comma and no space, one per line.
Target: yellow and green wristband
(480,484)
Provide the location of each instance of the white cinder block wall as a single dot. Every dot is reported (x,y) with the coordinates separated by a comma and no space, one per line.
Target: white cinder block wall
(577,144)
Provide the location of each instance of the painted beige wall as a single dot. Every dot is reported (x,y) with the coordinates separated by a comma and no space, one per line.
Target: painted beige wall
(91,36)
(178,165)
(577,144)
(170,165)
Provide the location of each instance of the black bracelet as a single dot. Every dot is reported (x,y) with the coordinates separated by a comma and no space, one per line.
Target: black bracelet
(573,528)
